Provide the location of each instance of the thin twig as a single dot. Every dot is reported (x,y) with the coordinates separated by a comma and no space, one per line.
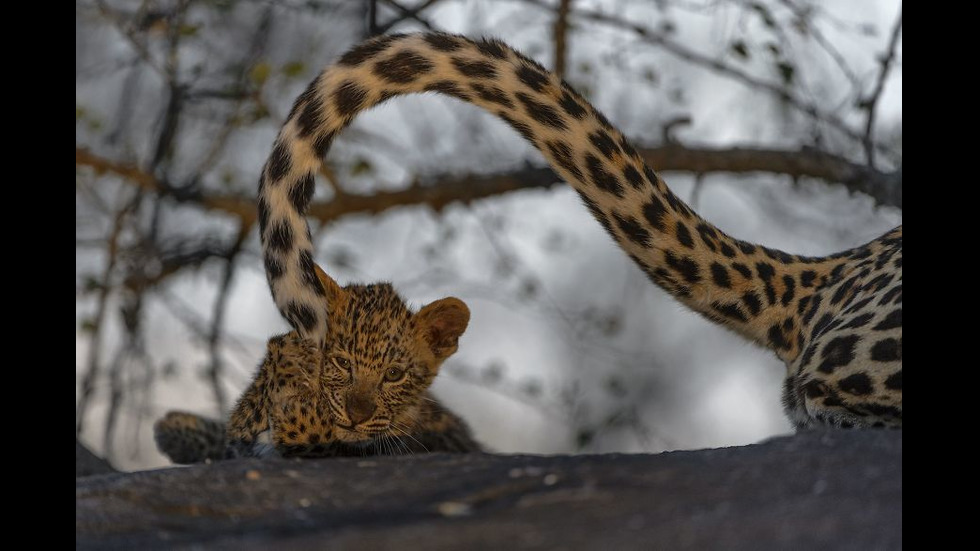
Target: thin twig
(696,190)
(560,34)
(698,59)
(258,45)
(807,14)
(215,370)
(94,359)
(175,91)
(115,399)
(871,104)
(406,13)
(131,37)
(169,261)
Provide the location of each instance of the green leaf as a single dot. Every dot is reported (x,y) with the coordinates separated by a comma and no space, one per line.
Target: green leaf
(169,370)
(616,387)
(361,167)
(650,75)
(528,289)
(188,29)
(223,5)
(259,73)
(611,325)
(740,49)
(532,388)
(493,373)
(868,29)
(92,284)
(293,69)
(787,72)
(801,25)
(341,258)
(258,113)
(764,13)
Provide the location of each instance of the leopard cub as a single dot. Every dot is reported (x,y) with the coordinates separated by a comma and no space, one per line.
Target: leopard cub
(363,393)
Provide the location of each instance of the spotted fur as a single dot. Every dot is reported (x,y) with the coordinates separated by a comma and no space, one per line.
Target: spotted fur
(835,321)
(362,393)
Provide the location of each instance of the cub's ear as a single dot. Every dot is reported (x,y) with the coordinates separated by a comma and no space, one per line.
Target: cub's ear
(441,323)
(335,293)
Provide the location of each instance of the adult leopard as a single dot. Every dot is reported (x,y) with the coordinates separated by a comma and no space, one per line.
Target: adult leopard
(835,321)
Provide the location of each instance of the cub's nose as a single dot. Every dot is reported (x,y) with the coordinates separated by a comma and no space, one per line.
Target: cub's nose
(360,409)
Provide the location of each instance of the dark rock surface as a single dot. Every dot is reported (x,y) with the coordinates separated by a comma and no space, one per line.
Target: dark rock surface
(839,490)
(87,463)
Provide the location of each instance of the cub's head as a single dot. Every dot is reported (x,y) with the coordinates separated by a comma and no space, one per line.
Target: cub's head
(379,357)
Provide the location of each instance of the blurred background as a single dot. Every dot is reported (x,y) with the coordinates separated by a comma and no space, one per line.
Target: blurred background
(778,120)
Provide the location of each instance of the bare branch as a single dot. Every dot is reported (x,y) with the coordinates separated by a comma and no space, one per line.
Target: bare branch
(560,32)
(216,369)
(698,59)
(229,204)
(115,398)
(258,45)
(175,260)
(407,13)
(885,188)
(175,90)
(131,37)
(804,14)
(871,103)
(94,360)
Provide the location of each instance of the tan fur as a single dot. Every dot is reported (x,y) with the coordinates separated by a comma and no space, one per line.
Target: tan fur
(835,321)
(342,399)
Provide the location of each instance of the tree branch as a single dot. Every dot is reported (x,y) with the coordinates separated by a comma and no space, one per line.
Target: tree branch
(216,369)
(560,33)
(94,360)
(440,191)
(257,47)
(138,45)
(698,59)
(406,13)
(871,104)
(805,14)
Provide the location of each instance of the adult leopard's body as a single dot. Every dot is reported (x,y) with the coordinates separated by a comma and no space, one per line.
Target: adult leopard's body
(835,321)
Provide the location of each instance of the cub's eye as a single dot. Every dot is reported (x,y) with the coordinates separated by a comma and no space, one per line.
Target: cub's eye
(393,374)
(342,363)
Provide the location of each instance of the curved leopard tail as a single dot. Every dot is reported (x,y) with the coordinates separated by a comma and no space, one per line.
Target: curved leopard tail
(188,438)
(754,290)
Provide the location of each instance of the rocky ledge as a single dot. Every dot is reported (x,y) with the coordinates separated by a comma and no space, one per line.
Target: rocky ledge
(817,490)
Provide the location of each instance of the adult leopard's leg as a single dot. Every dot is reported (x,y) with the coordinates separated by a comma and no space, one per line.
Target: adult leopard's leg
(850,371)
